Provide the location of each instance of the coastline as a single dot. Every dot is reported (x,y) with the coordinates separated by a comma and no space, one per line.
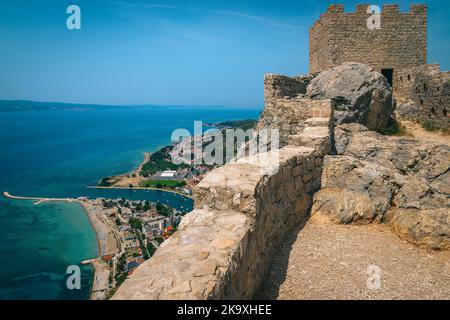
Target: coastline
(109,242)
(132,180)
(142,188)
(101,269)
(129,178)
(104,243)
(138,168)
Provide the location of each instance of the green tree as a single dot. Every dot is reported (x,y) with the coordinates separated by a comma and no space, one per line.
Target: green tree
(163,209)
(146,206)
(135,223)
(150,248)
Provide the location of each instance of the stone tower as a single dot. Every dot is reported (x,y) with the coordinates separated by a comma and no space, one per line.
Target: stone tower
(400,42)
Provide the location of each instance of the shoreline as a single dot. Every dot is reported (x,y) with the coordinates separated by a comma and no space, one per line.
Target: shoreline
(124,181)
(102,229)
(142,188)
(137,169)
(101,270)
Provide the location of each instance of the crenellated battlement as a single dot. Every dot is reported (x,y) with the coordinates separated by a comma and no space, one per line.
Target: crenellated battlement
(391,8)
(419,9)
(336,8)
(416,9)
(398,41)
(362,8)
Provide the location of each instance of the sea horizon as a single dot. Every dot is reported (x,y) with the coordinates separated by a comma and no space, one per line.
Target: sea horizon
(37,105)
(58,154)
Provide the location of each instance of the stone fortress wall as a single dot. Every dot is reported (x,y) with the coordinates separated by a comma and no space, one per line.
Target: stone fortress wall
(429,89)
(222,248)
(339,37)
(287,106)
(400,46)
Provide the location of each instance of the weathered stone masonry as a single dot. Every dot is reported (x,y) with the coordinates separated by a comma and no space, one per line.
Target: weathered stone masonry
(223,247)
(339,37)
(429,89)
(288,107)
(398,50)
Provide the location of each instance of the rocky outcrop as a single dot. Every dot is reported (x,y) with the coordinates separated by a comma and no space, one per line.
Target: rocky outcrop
(343,134)
(394,180)
(360,94)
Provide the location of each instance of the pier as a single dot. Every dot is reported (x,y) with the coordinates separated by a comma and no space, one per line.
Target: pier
(38,200)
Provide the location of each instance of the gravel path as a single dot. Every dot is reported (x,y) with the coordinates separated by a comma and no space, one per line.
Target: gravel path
(331,262)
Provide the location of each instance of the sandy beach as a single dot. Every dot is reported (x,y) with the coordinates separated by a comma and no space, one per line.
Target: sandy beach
(133,177)
(109,242)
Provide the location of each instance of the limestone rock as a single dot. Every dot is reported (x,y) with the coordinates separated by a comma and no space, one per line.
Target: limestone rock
(360,94)
(353,191)
(343,133)
(395,180)
(408,110)
(428,228)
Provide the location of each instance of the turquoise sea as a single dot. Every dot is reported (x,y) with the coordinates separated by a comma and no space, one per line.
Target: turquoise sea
(58,154)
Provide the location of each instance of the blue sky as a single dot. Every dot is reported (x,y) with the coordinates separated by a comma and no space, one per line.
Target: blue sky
(209,52)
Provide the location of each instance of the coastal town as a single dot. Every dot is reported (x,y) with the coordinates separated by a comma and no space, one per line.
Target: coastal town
(159,171)
(128,233)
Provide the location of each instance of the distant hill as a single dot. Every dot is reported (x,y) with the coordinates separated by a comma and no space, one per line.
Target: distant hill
(235,124)
(25,105)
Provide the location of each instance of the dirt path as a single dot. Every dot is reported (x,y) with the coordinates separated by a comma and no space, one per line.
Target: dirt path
(331,262)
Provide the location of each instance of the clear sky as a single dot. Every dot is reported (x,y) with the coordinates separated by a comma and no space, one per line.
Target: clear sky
(166,52)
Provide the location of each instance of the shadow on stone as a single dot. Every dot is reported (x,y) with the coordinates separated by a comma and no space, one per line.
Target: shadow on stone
(277,271)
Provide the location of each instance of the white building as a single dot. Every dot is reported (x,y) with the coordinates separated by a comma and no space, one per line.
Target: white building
(168,174)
